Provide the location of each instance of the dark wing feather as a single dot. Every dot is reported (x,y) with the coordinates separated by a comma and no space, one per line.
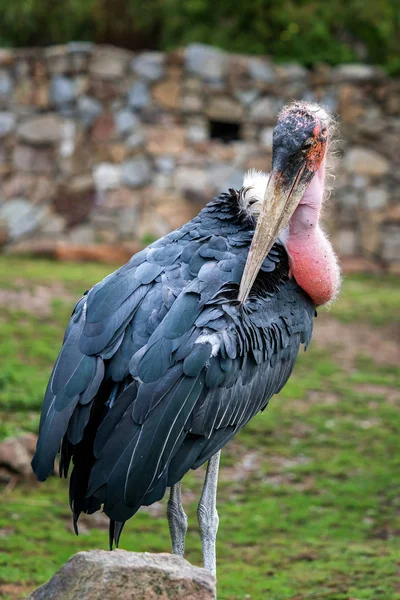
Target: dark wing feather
(192,403)
(161,366)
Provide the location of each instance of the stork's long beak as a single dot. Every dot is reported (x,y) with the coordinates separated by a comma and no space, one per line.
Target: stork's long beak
(280,202)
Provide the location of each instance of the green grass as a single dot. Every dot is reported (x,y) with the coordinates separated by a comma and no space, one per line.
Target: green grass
(374,299)
(316,516)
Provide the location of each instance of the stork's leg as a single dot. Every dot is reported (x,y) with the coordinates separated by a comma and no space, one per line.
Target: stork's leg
(207,513)
(177,520)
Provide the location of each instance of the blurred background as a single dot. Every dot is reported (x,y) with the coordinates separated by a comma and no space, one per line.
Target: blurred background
(118,122)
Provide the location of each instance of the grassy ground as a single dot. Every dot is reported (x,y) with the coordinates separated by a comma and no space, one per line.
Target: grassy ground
(309,498)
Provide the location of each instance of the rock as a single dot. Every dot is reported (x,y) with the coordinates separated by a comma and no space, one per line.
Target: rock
(393,213)
(351,102)
(107,176)
(80,47)
(265,110)
(118,152)
(346,242)
(373,123)
(21,217)
(261,161)
(219,152)
(166,93)
(109,63)
(125,121)
(104,128)
(261,70)
(136,139)
(75,202)
(151,225)
(165,140)
(376,198)
(139,96)
(43,190)
(81,235)
(56,59)
(53,225)
(102,253)
(292,72)
(41,130)
(21,184)
(206,62)
(246,97)
(165,164)
(359,182)
(193,85)
(191,103)
(250,132)
(7,57)
(16,454)
(7,123)
(194,183)
(266,138)
(89,109)
(348,203)
(391,243)
(175,210)
(136,171)
(121,575)
(105,90)
(38,188)
(36,160)
(370,235)
(6,85)
(127,220)
(363,161)
(149,65)
(224,176)
(224,108)
(197,130)
(62,91)
(356,72)
(121,196)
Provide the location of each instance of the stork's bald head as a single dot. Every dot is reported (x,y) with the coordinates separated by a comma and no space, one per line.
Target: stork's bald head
(300,140)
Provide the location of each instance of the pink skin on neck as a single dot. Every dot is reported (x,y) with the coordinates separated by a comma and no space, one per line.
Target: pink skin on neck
(311,257)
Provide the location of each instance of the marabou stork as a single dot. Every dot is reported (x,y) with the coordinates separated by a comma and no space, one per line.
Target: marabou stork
(166,359)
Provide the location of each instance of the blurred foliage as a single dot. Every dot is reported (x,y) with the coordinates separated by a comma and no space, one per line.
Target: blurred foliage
(309,31)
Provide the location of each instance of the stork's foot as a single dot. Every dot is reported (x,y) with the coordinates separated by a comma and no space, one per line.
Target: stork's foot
(207,514)
(177,520)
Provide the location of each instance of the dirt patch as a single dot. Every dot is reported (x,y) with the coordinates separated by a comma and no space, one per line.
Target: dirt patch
(391,395)
(314,398)
(348,341)
(14,590)
(37,300)
(244,469)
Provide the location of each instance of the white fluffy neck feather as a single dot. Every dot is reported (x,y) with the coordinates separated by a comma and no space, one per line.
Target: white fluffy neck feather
(253,191)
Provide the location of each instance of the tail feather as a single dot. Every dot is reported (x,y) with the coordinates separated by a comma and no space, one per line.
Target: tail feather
(114,532)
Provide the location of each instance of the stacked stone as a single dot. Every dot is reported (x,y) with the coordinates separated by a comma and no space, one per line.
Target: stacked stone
(99,145)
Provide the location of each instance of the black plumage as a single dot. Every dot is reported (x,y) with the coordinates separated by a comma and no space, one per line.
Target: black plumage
(161,366)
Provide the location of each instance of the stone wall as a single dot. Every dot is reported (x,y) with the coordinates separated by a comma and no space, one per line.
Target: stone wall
(101,146)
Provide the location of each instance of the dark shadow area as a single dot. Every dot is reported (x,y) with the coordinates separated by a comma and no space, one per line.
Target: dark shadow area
(226,132)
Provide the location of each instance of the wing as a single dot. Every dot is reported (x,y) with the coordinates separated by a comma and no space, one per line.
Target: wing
(115,320)
(160,365)
(100,328)
(205,371)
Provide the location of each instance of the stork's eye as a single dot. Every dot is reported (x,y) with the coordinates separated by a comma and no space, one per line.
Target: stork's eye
(307,145)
